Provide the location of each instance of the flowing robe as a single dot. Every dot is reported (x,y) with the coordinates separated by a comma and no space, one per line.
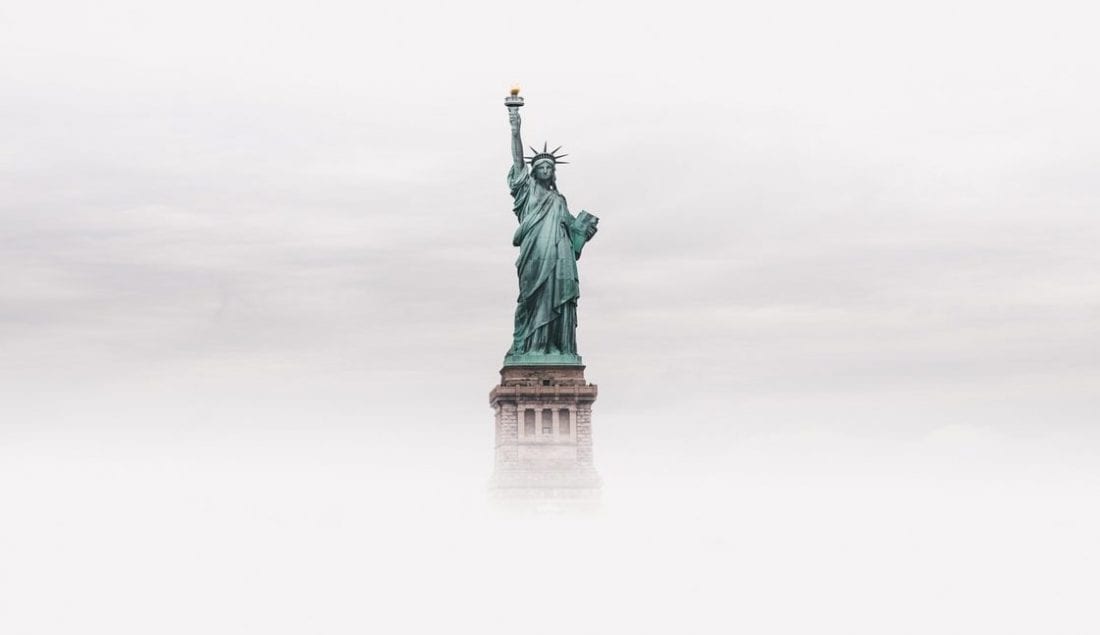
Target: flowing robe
(546,312)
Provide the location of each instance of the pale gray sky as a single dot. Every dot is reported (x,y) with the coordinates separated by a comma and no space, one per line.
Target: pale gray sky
(796,198)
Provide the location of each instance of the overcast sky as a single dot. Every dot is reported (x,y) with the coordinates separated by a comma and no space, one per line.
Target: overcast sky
(819,198)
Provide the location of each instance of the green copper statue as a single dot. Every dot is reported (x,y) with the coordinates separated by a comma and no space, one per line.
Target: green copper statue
(550,240)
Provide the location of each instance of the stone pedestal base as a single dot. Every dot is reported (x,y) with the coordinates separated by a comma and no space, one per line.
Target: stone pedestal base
(543,435)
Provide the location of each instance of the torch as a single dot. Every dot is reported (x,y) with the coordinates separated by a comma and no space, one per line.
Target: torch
(513,100)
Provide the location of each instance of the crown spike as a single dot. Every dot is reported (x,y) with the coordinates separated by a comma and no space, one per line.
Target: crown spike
(555,150)
(544,144)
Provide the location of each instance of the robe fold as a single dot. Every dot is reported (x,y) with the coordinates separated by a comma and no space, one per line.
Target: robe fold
(546,311)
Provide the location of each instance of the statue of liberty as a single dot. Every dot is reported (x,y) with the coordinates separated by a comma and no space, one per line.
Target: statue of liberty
(550,240)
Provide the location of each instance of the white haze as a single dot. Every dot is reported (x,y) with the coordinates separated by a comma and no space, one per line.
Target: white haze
(842,309)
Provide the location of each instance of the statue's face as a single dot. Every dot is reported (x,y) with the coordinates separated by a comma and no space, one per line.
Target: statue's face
(544,171)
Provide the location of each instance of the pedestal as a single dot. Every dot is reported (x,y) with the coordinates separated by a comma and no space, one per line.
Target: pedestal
(543,434)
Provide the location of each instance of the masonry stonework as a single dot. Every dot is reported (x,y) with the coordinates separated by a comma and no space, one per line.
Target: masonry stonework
(543,433)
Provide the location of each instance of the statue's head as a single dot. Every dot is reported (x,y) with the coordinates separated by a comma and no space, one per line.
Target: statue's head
(543,166)
(543,170)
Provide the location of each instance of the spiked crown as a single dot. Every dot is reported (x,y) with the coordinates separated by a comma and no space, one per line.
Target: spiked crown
(552,155)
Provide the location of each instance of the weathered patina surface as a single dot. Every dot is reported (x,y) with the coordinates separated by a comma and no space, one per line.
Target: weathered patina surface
(550,240)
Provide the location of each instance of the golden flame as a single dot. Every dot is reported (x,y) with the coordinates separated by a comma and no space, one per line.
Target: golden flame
(515,90)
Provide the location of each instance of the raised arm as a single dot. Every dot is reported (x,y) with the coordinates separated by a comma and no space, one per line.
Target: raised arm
(517,144)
